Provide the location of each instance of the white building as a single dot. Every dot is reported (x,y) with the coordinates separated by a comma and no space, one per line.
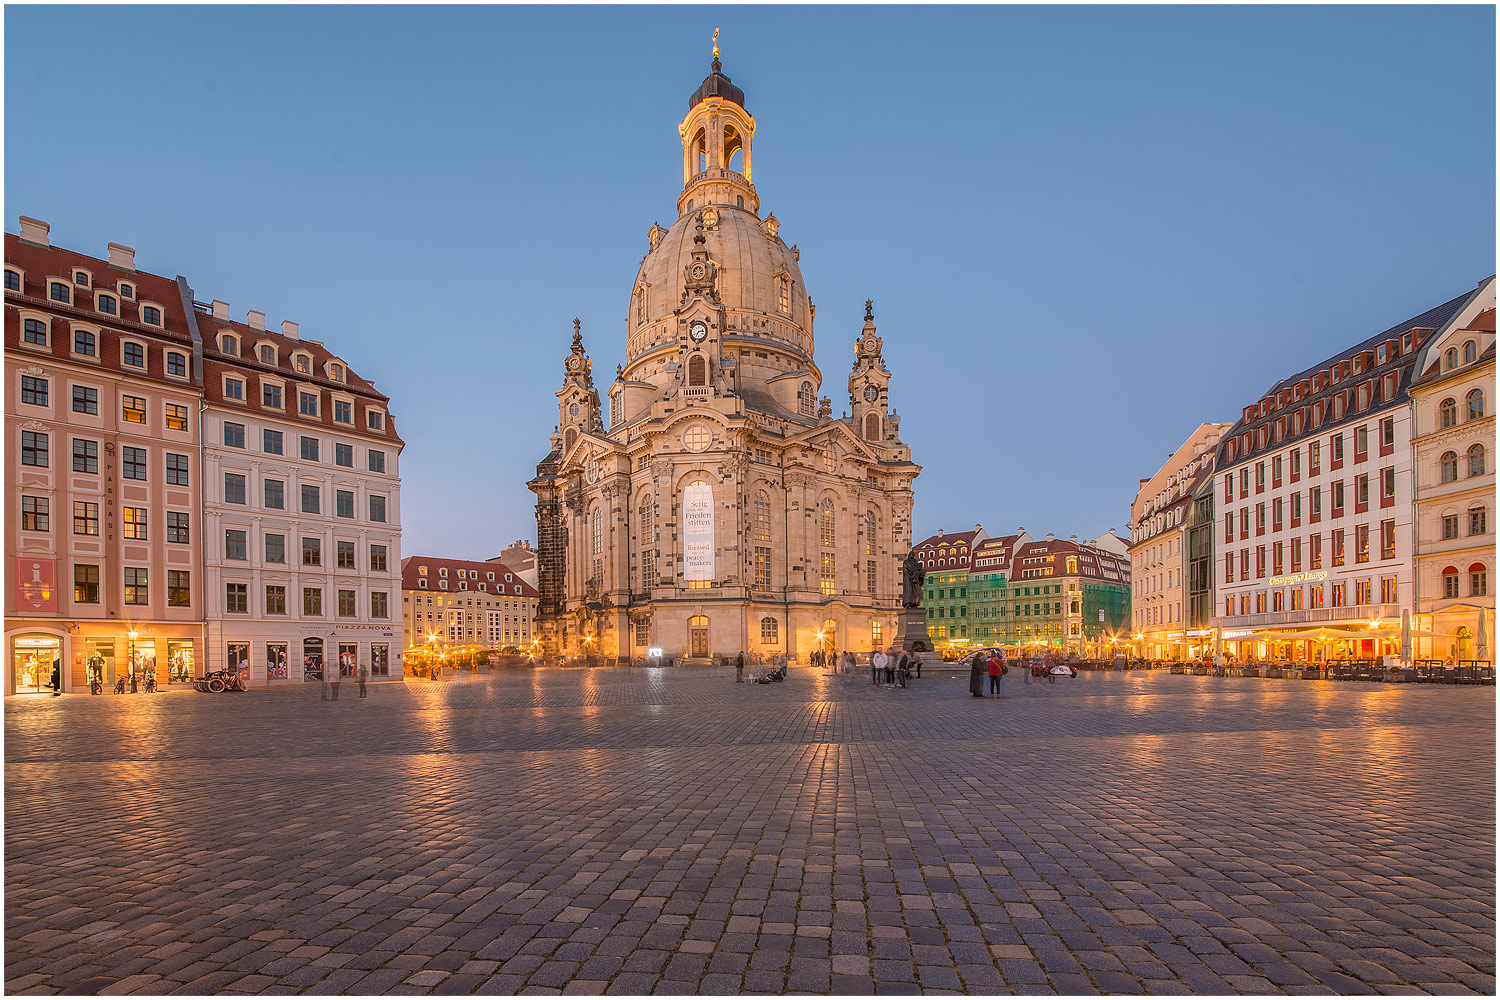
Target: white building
(1454,441)
(1314,498)
(302,506)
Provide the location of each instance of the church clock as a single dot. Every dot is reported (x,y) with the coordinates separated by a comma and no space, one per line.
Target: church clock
(698,331)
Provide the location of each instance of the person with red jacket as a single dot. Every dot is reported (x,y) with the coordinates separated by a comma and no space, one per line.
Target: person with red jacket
(996,669)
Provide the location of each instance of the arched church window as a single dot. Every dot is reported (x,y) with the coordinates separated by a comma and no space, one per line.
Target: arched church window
(646,525)
(829,462)
(640,307)
(596,530)
(872,427)
(783,294)
(762,516)
(697,370)
(805,401)
(826,524)
(569,437)
(870,533)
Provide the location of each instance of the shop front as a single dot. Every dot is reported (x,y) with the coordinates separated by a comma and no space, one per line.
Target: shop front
(274,654)
(36,663)
(44,658)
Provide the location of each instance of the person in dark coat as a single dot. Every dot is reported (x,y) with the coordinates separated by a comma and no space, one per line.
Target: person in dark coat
(977,668)
(739,668)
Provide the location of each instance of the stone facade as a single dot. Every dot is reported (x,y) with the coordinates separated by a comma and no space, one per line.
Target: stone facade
(799,520)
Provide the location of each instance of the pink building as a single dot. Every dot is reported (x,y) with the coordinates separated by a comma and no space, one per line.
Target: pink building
(103,480)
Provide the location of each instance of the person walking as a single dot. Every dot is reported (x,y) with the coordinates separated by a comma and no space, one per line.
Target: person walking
(977,670)
(364,675)
(337,669)
(992,666)
(914,664)
(739,668)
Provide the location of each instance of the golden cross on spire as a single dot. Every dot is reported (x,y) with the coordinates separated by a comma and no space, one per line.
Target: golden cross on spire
(716,43)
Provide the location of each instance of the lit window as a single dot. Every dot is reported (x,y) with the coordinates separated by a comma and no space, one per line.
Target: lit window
(133,409)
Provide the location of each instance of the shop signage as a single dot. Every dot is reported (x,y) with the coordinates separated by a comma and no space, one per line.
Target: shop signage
(36,584)
(698,532)
(1311,576)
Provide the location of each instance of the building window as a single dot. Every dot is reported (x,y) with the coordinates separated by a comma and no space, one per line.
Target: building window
(307,404)
(379,604)
(85,456)
(347,603)
(133,355)
(83,343)
(34,390)
(311,500)
(85,399)
(134,523)
(176,417)
(344,555)
(127,291)
(34,449)
(376,460)
(234,488)
(1450,582)
(312,601)
(177,527)
(234,389)
(377,558)
(1336,543)
(272,443)
(769,631)
(267,354)
(275,600)
(309,449)
(235,546)
(86,584)
(870,576)
(275,547)
(133,463)
(12,280)
(1479,581)
(229,344)
(1449,466)
(1471,351)
(1475,402)
(1388,482)
(270,396)
(1476,460)
(1450,526)
(375,420)
(275,494)
(137,591)
(36,513)
(1362,543)
(176,364)
(343,412)
(133,409)
(236,599)
(85,518)
(234,435)
(377,509)
(645,522)
(106,304)
(59,292)
(826,524)
(151,315)
(343,454)
(312,552)
(1478,521)
(826,572)
(805,401)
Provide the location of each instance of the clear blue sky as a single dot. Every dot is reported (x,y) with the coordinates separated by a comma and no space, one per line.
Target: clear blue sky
(1085,230)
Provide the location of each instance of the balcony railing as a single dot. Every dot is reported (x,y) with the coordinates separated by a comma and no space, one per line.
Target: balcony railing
(697,392)
(1313,616)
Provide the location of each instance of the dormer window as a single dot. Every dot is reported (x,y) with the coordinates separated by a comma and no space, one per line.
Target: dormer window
(375,420)
(229,344)
(81,278)
(133,354)
(151,315)
(302,363)
(343,411)
(421,570)
(12,280)
(177,364)
(783,294)
(443,571)
(336,372)
(59,292)
(106,304)
(127,290)
(1380,355)
(268,354)
(490,575)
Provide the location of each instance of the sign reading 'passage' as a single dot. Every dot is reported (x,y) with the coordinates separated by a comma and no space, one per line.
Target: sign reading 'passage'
(698,532)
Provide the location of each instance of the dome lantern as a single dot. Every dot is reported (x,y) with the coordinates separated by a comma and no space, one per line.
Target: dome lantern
(716,138)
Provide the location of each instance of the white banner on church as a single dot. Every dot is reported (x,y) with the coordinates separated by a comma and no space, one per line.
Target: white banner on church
(698,532)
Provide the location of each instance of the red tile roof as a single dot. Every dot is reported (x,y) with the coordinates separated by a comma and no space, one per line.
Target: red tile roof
(477,574)
(927,550)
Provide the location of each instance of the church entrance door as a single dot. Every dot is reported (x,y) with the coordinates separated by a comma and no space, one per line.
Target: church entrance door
(698,637)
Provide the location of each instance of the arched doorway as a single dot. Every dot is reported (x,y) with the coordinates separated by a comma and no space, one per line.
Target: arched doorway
(698,637)
(1463,643)
(829,635)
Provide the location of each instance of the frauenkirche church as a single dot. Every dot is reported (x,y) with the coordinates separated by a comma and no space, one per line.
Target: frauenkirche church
(716,504)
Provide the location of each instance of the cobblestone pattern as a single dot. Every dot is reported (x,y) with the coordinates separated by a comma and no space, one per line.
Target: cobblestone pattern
(671,832)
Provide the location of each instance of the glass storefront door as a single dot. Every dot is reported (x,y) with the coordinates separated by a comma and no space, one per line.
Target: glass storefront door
(37,664)
(348,658)
(312,659)
(237,658)
(101,663)
(276,661)
(380,660)
(181,667)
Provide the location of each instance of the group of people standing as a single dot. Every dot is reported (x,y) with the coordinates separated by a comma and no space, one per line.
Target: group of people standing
(331,683)
(886,668)
(992,666)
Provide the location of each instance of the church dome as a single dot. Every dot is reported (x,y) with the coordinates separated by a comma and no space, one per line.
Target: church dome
(759,283)
(716,84)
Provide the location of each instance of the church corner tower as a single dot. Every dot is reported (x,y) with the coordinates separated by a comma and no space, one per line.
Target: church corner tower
(719,506)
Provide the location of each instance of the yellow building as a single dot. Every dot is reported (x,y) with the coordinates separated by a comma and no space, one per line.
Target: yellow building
(461,607)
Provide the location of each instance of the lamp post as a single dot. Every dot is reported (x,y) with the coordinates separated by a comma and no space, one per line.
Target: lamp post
(133,635)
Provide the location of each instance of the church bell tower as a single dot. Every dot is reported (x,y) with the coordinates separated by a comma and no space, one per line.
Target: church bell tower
(869,383)
(578,400)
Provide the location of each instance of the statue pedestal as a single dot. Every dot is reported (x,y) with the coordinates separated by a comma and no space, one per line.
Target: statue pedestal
(911,635)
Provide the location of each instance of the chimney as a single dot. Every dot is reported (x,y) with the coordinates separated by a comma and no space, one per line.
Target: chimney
(940,532)
(1049,536)
(122,257)
(978,528)
(35,231)
(1073,539)
(256,320)
(289,329)
(221,310)
(1111,531)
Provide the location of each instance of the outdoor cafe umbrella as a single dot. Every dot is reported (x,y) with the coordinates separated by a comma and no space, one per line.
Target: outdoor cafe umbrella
(1218,640)
(1482,644)
(1405,635)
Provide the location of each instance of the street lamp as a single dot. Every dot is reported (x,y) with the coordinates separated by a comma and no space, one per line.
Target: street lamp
(134,634)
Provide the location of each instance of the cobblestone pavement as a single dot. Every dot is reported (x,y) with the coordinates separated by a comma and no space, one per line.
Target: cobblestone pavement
(668,831)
